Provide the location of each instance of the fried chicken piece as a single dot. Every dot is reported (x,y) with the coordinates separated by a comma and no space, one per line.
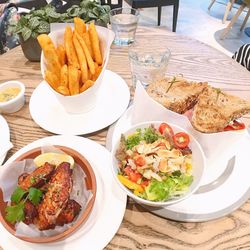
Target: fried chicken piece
(56,198)
(69,213)
(30,212)
(37,178)
(21,178)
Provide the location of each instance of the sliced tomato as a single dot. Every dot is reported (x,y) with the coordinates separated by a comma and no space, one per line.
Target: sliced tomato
(235,126)
(135,176)
(145,183)
(132,174)
(181,139)
(128,170)
(139,160)
(163,127)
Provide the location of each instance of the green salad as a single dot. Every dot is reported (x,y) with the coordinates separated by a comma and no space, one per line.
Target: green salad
(155,163)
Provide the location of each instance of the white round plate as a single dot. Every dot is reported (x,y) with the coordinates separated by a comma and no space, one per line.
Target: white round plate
(112,101)
(218,198)
(109,207)
(4,136)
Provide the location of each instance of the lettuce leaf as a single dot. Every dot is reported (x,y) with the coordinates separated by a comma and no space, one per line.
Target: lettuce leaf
(149,135)
(168,188)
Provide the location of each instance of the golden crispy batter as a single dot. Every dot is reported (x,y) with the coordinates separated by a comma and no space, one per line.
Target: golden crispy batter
(30,212)
(37,178)
(56,198)
(176,94)
(216,109)
(68,214)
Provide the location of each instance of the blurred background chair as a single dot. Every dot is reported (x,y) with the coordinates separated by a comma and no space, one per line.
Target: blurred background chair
(157,3)
(113,4)
(245,4)
(228,8)
(242,56)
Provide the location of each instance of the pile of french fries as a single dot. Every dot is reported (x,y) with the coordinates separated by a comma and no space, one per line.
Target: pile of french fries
(74,66)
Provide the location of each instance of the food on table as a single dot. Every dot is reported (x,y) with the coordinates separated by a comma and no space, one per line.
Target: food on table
(176,94)
(74,66)
(209,109)
(37,178)
(56,198)
(216,110)
(155,163)
(42,197)
(9,93)
(68,214)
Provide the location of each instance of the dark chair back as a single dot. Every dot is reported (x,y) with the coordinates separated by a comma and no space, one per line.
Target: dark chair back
(112,3)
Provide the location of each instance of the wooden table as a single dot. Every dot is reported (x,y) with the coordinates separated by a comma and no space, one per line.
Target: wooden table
(141,229)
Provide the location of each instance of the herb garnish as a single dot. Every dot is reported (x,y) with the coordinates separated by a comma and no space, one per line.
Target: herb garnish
(171,83)
(149,135)
(15,213)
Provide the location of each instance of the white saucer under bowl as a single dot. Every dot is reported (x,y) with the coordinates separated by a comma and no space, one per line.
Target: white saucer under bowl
(226,191)
(113,99)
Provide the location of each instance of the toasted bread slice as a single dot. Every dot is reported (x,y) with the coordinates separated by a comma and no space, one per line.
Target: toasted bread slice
(176,94)
(216,109)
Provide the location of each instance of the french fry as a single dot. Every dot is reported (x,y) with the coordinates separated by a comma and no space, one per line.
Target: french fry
(49,50)
(86,85)
(63,90)
(95,43)
(81,59)
(52,79)
(64,76)
(86,39)
(97,73)
(79,78)
(73,80)
(69,47)
(79,25)
(61,53)
(87,54)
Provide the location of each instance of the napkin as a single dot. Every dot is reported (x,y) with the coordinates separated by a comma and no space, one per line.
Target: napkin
(215,145)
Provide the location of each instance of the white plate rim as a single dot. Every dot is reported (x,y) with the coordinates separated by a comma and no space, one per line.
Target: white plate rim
(4,135)
(96,126)
(75,142)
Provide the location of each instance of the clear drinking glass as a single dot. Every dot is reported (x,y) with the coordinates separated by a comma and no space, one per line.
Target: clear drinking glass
(124,23)
(148,64)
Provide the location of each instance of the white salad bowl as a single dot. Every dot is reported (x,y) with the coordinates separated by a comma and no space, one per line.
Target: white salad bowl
(16,103)
(198,165)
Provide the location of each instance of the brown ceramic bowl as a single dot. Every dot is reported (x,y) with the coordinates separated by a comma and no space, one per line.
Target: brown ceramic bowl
(90,183)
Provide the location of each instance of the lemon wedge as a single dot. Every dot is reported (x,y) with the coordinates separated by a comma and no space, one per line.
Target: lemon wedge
(53,159)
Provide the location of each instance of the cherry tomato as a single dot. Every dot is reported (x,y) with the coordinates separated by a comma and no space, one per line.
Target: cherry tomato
(128,170)
(145,183)
(135,176)
(132,174)
(235,126)
(181,139)
(139,160)
(164,126)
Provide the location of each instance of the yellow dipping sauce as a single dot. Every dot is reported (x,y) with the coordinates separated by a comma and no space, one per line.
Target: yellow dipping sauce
(8,94)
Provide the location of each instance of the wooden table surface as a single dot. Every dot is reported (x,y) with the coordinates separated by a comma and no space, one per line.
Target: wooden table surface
(141,229)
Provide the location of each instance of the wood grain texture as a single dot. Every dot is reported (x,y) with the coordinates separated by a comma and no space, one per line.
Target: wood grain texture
(141,229)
